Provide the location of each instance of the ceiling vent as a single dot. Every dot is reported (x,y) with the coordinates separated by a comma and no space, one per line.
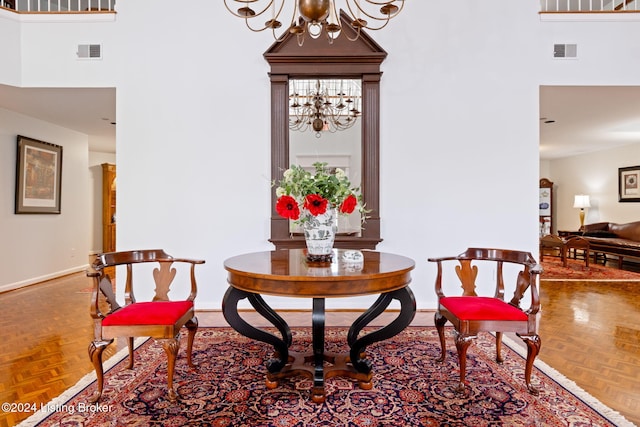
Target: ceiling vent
(89,51)
(565,50)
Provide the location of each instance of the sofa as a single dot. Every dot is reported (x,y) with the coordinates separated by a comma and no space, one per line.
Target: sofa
(608,238)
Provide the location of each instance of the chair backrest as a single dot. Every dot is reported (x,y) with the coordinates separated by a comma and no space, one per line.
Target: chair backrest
(110,259)
(163,274)
(467,272)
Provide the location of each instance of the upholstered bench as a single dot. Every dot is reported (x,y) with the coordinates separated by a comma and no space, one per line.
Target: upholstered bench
(564,247)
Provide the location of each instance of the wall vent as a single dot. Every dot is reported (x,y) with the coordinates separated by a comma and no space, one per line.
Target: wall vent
(565,50)
(89,51)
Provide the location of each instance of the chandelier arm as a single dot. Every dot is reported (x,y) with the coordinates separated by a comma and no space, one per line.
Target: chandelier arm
(267,7)
(332,26)
(300,37)
(379,3)
(362,10)
(369,27)
(330,37)
(255,30)
(383,2)
(253,16)
(276,38)
(333,13)
(356,37)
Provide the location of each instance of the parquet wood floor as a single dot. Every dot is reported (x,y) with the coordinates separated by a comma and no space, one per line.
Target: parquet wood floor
(590,333)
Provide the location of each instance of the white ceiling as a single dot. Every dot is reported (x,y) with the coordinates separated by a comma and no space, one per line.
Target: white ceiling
(587,118)
(90,111)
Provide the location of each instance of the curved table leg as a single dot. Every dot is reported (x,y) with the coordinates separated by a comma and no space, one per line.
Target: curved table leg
(230,312)
(407,312)
(378,307)
(353,365)
(268,313)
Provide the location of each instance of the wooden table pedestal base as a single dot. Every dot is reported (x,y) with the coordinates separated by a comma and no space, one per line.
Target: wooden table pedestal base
(336,365)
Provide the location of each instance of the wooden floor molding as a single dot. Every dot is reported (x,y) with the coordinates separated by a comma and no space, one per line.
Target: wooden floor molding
(590,333)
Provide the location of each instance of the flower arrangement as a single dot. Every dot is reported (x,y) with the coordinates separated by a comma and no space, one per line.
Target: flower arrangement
(300,190)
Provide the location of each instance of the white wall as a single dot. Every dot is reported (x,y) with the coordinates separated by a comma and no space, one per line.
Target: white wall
(10,49)
(443,183)
(52,42)
(38,247)
(459,127)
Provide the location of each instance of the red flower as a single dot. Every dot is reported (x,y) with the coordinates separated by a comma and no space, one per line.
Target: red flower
(349,204)
(287,207)
(316,204)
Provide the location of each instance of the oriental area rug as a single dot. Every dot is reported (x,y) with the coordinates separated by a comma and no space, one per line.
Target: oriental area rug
(410,389)
(576,270)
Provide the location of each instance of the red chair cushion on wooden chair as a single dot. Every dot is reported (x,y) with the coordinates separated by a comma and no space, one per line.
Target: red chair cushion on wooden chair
(481,308)
(149,313)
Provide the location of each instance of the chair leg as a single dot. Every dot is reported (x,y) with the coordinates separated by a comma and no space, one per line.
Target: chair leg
(499,358)
(192,327)
(462,344)
(171,347)
(130,345)
(440,321)
(95,354)
(533,348)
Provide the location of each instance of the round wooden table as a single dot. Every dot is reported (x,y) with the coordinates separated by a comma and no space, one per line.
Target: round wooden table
(287,273)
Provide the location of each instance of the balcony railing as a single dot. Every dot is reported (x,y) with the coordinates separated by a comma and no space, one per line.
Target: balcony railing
(589,6)
(59,6)
(563,6)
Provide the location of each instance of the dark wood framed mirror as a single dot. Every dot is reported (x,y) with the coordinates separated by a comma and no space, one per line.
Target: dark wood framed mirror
(317,58)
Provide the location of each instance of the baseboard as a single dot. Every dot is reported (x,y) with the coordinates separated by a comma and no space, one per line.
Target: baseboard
(40,279)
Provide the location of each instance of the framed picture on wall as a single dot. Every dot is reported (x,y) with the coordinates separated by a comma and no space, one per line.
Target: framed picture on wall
(38,177)
(628,184)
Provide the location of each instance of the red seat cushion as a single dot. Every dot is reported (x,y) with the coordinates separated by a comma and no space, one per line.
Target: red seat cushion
(149,313)
(481,308)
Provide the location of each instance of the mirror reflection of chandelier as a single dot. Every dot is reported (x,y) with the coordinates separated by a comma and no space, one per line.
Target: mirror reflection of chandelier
(314,17)
(327,105)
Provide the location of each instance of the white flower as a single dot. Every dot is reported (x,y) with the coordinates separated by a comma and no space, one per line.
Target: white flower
(280,191)
(340,173)
(287,174)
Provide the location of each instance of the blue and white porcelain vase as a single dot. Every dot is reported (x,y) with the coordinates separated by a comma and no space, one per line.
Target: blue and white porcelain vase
(319,234)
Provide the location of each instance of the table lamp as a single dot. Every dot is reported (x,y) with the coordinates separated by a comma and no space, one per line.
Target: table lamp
(581,201)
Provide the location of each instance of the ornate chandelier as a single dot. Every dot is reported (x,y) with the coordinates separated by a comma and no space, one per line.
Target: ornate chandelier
(329,108)
(317,16)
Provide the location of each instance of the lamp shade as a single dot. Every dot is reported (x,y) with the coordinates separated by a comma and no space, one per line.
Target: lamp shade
(581,201)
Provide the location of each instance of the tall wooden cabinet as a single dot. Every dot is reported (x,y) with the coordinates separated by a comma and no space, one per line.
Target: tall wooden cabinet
(546,207)
(108,207)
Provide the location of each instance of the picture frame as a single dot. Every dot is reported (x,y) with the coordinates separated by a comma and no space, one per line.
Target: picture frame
(38,177)
(629,184)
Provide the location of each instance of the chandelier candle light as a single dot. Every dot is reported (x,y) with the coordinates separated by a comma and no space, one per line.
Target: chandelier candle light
(581,201)
(312,199)
(314,17)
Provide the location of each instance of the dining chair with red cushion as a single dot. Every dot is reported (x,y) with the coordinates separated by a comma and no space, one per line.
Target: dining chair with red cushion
(159,318)
(483,308)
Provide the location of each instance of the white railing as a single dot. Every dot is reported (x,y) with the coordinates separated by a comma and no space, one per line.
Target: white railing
(59,5)
(576,6)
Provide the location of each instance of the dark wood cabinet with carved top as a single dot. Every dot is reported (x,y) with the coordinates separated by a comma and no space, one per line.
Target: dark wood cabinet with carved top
(545,207)
(108,207)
